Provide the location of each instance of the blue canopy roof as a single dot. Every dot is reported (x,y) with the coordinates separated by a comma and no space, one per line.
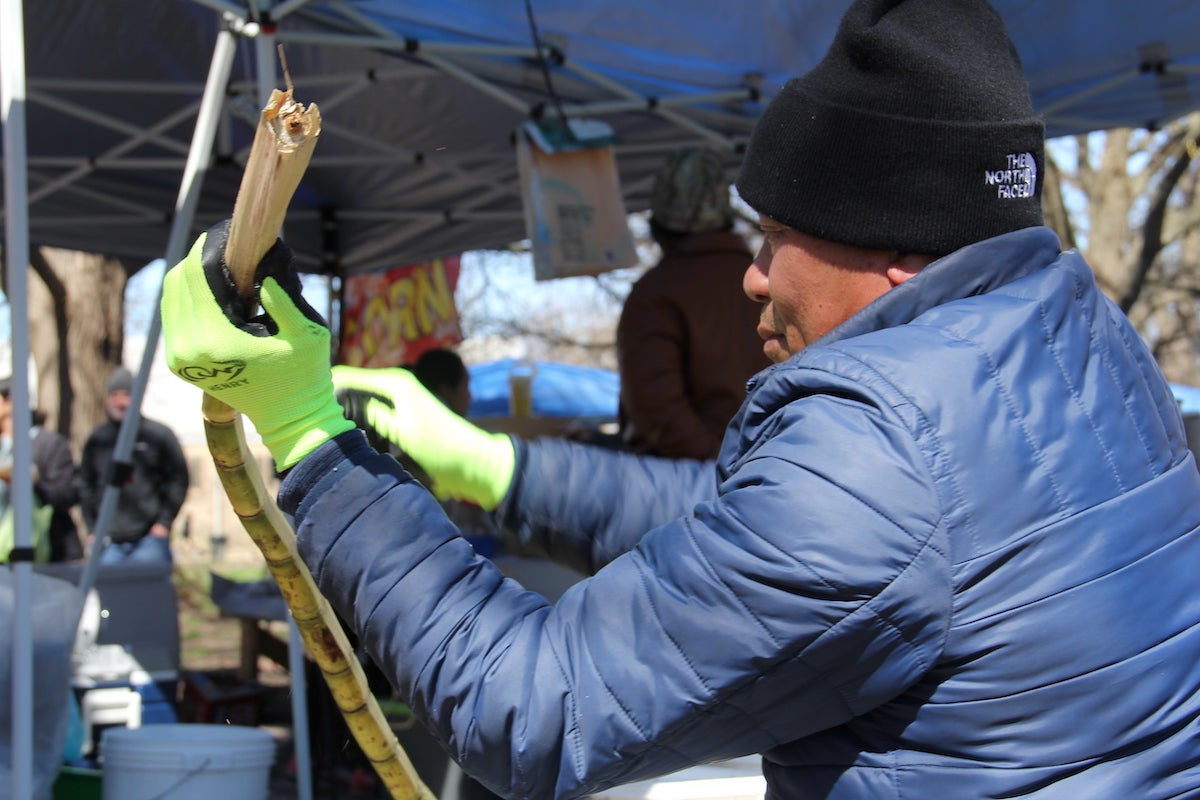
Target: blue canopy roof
(420,100)
(559,390)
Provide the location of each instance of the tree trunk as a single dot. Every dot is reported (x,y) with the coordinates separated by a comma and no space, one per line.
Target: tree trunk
(1132,199)
(1054,205)
(76,335)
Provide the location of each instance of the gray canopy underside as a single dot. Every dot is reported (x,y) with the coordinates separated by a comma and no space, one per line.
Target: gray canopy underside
(420,101)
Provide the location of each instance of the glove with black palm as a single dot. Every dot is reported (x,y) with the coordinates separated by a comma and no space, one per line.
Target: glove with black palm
(274,367)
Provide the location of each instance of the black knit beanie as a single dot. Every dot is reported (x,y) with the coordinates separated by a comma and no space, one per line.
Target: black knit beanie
(915,133)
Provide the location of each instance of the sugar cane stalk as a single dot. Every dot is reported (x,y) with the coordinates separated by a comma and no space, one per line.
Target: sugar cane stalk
(282,146)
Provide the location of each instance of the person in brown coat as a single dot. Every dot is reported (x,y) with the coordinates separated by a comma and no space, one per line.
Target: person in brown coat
(686,340)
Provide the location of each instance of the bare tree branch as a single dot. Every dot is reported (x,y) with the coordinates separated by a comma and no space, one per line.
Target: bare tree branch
(1152,228)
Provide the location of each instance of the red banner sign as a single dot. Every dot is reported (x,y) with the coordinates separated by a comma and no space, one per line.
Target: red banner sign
(391,317)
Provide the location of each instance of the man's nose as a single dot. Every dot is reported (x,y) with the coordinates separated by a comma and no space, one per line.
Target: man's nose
(754,281)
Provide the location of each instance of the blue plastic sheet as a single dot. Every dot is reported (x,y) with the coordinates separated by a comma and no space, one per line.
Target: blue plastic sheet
(559,390)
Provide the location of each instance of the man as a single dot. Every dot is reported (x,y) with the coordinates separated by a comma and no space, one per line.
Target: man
(948,549)
(153,485)
(685,341)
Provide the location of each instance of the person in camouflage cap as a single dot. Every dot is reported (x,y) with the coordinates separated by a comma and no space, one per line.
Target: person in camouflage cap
(685,341)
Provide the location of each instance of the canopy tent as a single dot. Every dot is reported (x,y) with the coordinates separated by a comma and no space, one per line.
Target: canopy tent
(420,102)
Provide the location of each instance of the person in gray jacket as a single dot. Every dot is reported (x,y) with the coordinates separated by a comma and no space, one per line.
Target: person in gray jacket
(152,486)
(948,549)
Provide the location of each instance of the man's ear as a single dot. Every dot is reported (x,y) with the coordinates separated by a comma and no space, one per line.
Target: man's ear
(904,266)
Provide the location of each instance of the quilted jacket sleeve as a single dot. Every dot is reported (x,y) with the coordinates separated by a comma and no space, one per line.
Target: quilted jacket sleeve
(561,501)
(811,589)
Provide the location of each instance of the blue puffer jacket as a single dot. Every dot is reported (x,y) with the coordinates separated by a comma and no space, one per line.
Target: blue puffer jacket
(948,551)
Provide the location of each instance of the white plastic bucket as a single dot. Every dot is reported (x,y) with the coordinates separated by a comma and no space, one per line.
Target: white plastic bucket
(186,762)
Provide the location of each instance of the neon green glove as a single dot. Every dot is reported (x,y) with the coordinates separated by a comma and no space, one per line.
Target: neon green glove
(465,462)
(274,367)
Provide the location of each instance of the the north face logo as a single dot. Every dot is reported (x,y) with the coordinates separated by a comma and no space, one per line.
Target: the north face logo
(1018,178)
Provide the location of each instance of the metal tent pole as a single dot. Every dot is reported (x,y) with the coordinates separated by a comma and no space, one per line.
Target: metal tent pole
(16,224)
(181,224)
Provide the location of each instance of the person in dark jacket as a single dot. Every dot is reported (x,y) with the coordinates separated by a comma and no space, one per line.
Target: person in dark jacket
(443,373)
(55,477)
(685,340)
(949,546)
(152,491)
(56,482)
